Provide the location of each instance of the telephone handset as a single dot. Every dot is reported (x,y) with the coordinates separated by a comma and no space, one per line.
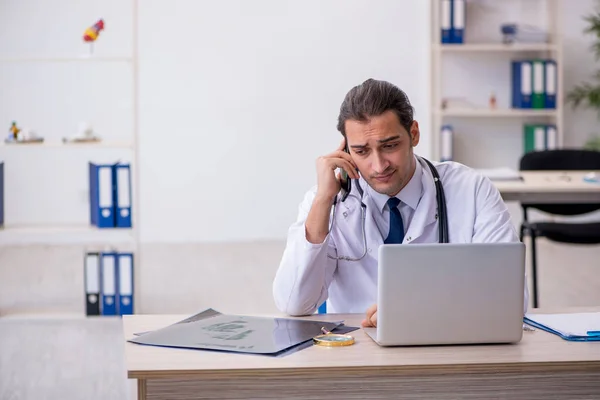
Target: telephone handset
(346,182)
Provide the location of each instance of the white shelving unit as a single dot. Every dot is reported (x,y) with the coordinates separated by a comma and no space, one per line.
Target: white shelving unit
(493,47)
(498,112)
(66,234)
(82,59)
(84,234)
(483,116)
(72,145)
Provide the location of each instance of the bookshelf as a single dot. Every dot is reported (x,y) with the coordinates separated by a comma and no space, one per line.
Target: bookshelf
(494,47)
(24,235)
(50,81)
(74,57)
(480,67)
(488,113)
(77,59)
(74,145)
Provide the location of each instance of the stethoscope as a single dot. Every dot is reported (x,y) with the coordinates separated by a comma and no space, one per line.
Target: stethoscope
(441,205)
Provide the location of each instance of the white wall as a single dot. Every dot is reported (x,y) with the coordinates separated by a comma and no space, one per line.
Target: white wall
(229,106)
(181,127)
(238,98)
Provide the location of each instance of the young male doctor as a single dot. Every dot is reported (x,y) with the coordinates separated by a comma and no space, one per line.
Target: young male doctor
(327,257)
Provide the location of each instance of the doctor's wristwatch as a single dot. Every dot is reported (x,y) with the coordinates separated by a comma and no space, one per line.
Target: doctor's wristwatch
(329,339)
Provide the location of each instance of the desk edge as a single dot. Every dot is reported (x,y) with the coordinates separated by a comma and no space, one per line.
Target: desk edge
(546,366)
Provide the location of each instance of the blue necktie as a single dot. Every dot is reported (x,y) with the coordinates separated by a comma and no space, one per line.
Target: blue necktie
(396,234)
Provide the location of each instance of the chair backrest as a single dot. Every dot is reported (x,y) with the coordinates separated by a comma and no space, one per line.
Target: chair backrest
(323,308)
(561,160)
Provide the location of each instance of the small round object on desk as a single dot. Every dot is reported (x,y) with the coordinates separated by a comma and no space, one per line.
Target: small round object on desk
(333,340)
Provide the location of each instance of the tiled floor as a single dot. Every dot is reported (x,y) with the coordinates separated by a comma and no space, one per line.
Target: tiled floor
(62,358)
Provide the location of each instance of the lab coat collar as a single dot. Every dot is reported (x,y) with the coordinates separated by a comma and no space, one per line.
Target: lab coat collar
(427,212)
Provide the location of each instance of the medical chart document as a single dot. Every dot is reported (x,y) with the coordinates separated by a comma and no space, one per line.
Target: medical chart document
(212,330)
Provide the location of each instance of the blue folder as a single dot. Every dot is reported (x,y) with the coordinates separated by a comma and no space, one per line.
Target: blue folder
(446,21)
(522,83)
(457,15)
(125,283)
(550,83)
(122,195)
(109,283)
(576,327)
(102,202)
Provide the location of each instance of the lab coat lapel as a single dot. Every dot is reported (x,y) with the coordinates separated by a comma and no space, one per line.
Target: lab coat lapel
(350,219)
(426,213)
(374,235)
(349,223)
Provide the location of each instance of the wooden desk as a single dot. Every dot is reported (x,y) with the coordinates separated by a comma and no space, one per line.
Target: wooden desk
(541,367)
(550,187)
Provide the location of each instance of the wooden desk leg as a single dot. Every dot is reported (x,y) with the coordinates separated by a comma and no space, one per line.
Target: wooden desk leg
(141,389)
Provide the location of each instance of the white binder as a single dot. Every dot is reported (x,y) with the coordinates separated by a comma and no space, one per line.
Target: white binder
(92,283)
(447,136)
(539,140)
(109,284)
(551,137)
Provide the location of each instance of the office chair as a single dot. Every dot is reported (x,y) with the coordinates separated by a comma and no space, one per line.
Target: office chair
(562,232)
(323,308)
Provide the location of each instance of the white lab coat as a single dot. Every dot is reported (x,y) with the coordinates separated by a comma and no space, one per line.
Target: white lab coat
(307,276)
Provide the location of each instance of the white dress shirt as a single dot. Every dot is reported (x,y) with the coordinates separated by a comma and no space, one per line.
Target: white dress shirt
(409,198)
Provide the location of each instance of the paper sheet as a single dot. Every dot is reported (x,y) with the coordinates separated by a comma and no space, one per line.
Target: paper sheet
(500,174)
(576,324)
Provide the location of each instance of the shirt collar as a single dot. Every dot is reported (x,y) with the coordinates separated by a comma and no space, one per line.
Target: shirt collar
(409,195)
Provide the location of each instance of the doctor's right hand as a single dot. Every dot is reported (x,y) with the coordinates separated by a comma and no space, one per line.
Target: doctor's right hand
(328,184)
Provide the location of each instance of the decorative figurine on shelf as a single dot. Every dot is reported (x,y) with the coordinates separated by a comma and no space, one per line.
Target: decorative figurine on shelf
(14,132)
(85,135)
(522,33)
(493,101)
(91,34)
(18,135)
(509,33)
(32,137)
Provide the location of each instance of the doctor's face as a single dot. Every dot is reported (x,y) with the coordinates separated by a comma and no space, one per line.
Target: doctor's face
(382,151)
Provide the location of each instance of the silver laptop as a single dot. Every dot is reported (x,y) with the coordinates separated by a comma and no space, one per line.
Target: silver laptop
(436,294)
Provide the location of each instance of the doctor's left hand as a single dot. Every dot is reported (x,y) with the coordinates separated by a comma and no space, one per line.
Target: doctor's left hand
(371,319)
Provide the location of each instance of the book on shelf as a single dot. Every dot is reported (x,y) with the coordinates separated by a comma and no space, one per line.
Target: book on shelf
(108,283)
(539,137)
(534,84)
(110,195)
(452,18)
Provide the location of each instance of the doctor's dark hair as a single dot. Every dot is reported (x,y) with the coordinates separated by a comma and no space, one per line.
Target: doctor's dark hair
(372,98)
